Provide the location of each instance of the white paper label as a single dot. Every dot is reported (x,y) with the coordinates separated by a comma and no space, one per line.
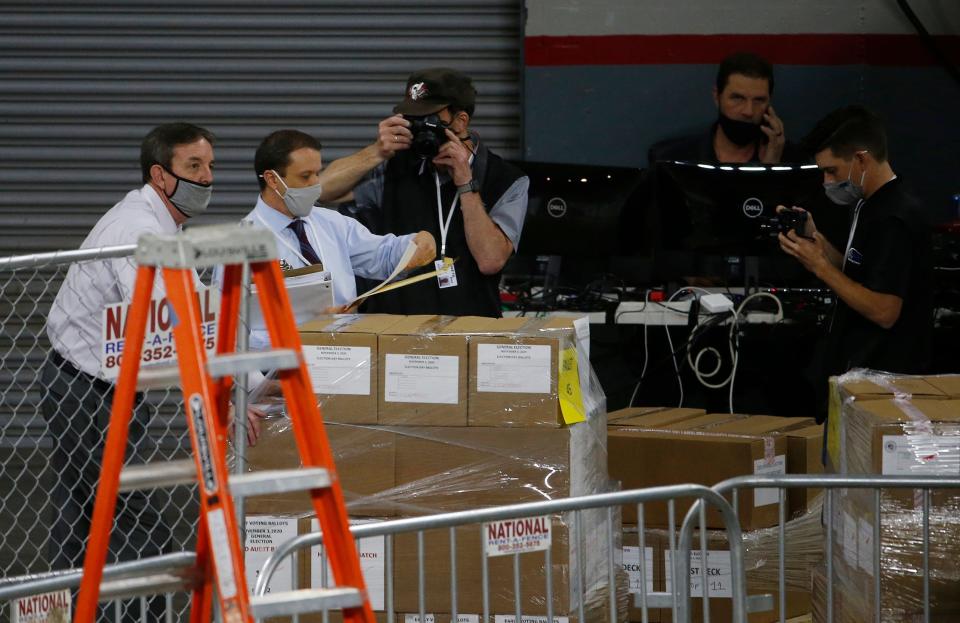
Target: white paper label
(631,564)
(513,368)
(264,534)
(518,536)
(865,546)
(524,618)
(718,573)
(921,455)
(158,344)
(339,369)
(431,379)
(45,608)
(763,467)
(431,618)
(220,545)
(372,551)
(850,537)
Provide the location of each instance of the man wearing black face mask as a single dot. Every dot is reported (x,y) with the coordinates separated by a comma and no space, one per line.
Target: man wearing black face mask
(428,171)
(176,163)
(884,277)
(747,128)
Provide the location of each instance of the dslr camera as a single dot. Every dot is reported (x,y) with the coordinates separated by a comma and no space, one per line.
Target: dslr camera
(428,135)
(784,221)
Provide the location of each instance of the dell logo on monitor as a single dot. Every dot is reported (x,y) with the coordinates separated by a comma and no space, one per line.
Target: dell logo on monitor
(556,207)
(752,207)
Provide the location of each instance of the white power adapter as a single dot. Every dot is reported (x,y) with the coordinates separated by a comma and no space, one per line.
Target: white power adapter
(715,303)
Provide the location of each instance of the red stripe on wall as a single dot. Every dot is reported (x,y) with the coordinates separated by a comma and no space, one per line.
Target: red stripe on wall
(781,49)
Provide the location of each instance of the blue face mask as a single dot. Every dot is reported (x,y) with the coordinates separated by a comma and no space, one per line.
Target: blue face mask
(845,192)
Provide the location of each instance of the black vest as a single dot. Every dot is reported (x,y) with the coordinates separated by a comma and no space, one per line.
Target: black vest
(410,205)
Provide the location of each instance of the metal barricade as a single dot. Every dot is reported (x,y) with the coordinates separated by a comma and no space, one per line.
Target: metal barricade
(832,486)
(578,511)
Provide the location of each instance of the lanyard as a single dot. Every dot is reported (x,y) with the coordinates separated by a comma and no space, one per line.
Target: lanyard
(853,230)
(444,225)
(295,250)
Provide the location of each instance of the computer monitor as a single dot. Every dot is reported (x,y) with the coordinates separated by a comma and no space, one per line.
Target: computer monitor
(708,215)
(575,210)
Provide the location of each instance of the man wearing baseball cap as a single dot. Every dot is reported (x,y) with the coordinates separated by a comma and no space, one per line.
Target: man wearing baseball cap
(429,171)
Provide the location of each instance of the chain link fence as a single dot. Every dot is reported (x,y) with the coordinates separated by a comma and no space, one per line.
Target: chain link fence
(50,442)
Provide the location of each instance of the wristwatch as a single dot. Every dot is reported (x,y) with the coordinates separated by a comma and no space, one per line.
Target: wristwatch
(472,186)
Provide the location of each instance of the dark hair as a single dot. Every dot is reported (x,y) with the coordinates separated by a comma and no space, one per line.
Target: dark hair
(744,63)
(157,146)
(848,130)
(274,151)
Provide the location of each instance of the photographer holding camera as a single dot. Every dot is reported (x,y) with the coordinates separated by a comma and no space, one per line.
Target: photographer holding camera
(429,171)
(883,279)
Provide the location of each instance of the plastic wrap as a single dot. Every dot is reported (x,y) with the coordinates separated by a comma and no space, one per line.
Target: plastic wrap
(803,546)
(477,448)
(895,425)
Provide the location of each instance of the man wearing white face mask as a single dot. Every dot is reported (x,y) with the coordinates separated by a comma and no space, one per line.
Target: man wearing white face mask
(884,277)
(176,163)
(288,166)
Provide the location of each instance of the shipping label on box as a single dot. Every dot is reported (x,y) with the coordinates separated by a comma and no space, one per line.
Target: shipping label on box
(430,379)
(631,565)
(339,369)
(443,618)
(372,551)
(524,618)
(264,534)
(45,608)
(513,368)
(921,455)
(767,467)
(718,575)
(518,536)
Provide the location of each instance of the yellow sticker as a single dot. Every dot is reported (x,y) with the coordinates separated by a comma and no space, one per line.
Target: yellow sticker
(833,426)
(571,400)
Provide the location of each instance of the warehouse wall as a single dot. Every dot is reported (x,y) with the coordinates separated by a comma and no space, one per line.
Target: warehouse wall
(604,79)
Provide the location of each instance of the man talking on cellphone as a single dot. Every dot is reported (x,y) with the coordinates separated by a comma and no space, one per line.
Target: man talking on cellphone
(747,128)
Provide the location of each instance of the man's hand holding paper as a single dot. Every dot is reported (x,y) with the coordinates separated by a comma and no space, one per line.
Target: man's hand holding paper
(426,250)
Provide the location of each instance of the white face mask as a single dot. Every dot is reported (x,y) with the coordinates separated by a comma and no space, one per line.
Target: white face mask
(299,201)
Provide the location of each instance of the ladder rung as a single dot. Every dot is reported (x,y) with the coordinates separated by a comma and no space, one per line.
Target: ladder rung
(279,481)
(184,472)
(159,474)
(243,363)
(124,588)
(162,376)
(305,600)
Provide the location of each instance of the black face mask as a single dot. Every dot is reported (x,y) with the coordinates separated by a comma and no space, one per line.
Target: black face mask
(741,133)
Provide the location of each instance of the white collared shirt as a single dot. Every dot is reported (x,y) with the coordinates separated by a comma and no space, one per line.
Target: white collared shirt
(75,322)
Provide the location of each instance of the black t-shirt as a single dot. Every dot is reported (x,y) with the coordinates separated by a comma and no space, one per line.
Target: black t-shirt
(890,253)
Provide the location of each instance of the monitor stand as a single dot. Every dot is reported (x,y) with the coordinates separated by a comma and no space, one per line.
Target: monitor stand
(743,270)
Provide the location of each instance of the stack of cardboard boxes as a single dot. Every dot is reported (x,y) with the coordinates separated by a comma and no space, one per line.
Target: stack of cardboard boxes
(653,447)
(893,425)
(431,414)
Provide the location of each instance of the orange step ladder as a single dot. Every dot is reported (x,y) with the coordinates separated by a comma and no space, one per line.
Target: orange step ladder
(206,384)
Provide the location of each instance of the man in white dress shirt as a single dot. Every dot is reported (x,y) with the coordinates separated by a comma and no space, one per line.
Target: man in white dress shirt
(176,162)
(288,166)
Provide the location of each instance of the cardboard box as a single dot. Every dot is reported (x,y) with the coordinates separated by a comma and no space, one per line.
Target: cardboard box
(651,417)
(513,372)
(442,469)
(342,357)
(423,374)
(365,459)
(762,424)
(652,577)
(702,422)
(642,459)
(804,456)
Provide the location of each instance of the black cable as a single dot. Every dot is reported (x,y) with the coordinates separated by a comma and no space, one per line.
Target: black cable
(929,41)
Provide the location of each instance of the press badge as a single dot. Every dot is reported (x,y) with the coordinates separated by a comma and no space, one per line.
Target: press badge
(446,273)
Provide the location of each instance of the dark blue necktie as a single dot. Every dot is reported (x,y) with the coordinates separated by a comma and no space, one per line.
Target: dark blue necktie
(305,249)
